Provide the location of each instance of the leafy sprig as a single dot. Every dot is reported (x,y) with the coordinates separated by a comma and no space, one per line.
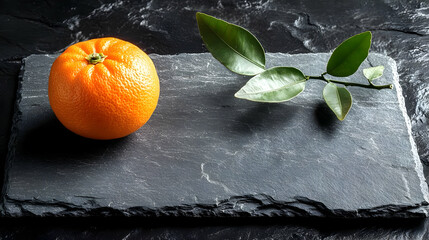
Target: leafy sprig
(241,52)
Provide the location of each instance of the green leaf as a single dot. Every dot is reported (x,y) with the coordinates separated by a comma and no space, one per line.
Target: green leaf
(348,56)
(276,84)
(233,46)
(373,72)
(338,99)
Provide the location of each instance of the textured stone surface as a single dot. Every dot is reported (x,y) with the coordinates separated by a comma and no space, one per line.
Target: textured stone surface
(205,153)
(400,30)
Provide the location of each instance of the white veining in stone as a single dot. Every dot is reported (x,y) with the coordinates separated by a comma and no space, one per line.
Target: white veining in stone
(207,177)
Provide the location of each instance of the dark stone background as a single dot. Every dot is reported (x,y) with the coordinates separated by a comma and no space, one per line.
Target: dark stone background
(400,30)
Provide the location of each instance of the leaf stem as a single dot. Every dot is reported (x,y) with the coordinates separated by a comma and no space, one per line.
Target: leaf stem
(371,85)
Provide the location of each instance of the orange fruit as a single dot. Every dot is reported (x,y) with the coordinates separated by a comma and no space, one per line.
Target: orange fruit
(103,88)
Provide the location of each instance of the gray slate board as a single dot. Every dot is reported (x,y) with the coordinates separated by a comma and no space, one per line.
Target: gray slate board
(206,153)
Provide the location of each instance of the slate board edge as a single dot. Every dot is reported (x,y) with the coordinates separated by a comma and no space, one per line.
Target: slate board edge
(416,157)
(13,134)
(264,205)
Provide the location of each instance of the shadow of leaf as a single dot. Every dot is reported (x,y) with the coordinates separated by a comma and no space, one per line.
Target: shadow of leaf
(264,116)
(326,119)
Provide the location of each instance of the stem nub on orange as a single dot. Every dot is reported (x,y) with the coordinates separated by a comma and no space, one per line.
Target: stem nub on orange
(103,88)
